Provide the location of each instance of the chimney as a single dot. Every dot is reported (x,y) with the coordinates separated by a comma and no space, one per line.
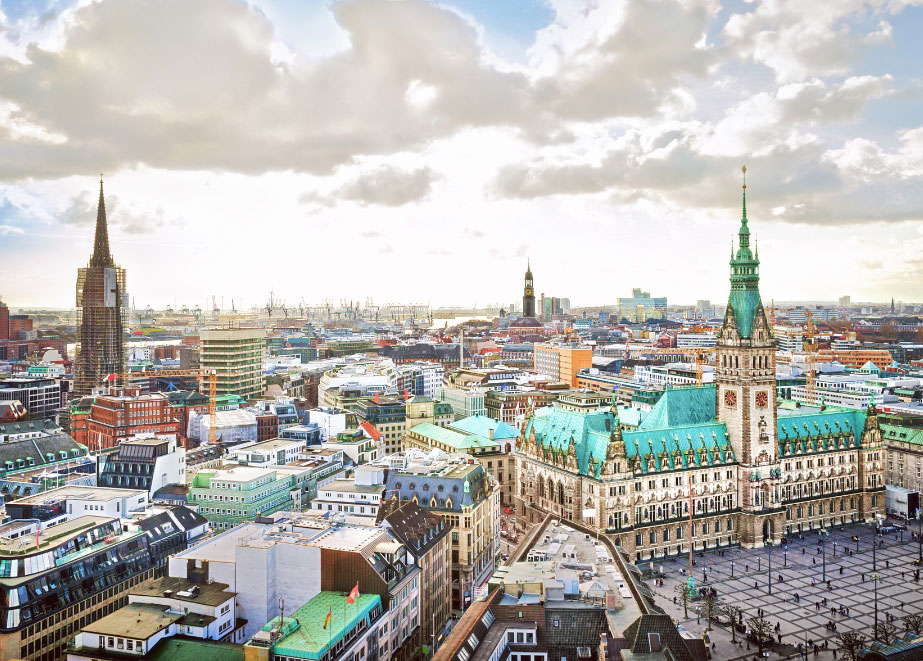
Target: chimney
(490,434)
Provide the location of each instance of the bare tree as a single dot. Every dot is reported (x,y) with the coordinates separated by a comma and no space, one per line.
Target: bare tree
(682,593)
(732,613)
(761,630)
(711,605)
(885,632)
(850,643)
(914,623)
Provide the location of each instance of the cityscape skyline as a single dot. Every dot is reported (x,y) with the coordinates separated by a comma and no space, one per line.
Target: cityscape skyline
(820,104)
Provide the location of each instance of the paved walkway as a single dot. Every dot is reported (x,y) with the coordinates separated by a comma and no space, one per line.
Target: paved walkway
(850,574)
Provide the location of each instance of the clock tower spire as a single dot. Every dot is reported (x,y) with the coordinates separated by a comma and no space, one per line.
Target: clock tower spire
(745,387)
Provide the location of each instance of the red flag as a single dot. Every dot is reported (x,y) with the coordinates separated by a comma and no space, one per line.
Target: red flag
(353,595)
(38,529)
(109,377)
(327,619)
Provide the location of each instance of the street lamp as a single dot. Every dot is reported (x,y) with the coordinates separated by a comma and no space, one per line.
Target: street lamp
(732,569)
(920,535)
(874,548)
(823,549)
(769,550)
(855,538)
(875,630)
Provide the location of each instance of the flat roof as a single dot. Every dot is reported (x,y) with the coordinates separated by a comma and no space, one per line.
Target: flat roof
(78,493)
(306,636)
(209,594)
(349,486)
(347,537)
(137,621)
(184,649)
(272,444)
(54,535)
(247,473)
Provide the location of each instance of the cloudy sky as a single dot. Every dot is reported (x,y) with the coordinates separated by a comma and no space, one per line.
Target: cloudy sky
(421,152)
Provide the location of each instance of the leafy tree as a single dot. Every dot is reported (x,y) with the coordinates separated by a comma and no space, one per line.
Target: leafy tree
(885,632)
(682,593)
(732,613)
(850,643)
(761,630)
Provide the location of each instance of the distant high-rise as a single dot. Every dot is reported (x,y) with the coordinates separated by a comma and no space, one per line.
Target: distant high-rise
(528,294)
(101,305)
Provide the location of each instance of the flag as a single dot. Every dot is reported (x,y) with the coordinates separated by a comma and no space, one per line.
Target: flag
(353,595)
(109,377)
(38,529)
(327,619)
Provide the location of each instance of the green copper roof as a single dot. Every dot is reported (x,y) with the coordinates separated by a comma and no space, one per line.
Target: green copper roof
(680,407)
(307,638)
(454,439)
(902,434)
(744,301)
(481,425)
(184,649)
(555,426)
(813,429)
(668,449)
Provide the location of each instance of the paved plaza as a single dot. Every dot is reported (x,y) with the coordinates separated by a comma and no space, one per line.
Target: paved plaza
(850,575)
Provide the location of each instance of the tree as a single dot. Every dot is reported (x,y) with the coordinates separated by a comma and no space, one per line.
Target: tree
(682,593)
(914,623)
(711,605)
(761,631)
(885,632)
(850,643)
(732,613)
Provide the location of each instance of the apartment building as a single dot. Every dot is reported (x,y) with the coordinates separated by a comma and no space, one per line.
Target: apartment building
(562,363)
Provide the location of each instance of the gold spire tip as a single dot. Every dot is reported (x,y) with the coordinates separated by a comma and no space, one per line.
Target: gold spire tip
(744,170)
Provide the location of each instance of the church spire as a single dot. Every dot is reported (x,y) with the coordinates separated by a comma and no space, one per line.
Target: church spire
(101,255)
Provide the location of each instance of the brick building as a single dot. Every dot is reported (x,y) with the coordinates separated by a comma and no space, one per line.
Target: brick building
(125,412)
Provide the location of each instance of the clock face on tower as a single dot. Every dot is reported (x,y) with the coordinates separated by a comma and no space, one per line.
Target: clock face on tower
(528,292)
(730,398)
(762,399)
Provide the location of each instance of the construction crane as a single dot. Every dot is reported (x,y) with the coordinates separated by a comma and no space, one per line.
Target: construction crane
(211,376)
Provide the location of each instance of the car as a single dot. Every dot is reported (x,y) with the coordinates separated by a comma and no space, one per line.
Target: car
(507,510)
(504,533)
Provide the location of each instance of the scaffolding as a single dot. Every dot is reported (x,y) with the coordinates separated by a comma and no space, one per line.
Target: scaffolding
(101,313)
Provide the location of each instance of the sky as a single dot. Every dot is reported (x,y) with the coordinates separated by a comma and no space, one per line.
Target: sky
(422,152)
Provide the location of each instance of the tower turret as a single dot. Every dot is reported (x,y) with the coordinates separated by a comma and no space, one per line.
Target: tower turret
(528,293)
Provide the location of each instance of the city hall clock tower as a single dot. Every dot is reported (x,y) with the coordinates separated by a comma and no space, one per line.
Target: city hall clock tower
(745,388)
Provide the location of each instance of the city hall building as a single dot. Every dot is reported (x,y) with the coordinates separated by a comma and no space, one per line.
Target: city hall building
(757,469)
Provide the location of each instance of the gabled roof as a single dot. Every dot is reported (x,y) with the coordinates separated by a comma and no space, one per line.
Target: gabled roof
(661,446)
(668,635)
(681,407)
(482,425)
(814,427)
(556,426)
(454,439)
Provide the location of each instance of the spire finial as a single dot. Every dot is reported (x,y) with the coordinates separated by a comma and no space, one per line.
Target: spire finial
(744,217)
(101,255)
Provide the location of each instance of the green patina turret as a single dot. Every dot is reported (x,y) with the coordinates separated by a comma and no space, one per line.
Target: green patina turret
(744,300)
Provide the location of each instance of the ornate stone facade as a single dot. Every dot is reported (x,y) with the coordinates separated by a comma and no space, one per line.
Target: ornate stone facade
(749,468)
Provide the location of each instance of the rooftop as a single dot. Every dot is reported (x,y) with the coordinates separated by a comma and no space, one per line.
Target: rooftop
(139,621)
(209,594)
(349,486)
(307,637)
(99,494)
